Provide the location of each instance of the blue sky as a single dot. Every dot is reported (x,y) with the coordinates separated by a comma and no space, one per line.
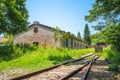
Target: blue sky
(68,15)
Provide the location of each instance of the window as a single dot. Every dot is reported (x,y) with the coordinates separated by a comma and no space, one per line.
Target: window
(66,42)
(75,44)
(35,43)
(72,43)
(35,29)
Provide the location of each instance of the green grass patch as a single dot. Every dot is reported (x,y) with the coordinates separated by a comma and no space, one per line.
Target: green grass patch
(113,57)
(42,58)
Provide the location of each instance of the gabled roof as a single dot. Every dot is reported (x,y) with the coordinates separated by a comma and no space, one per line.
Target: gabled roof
(76,38)
(32,26)
(37,23)
(45,26)
(42,25)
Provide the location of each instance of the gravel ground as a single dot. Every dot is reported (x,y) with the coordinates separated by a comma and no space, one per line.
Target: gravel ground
(99,71)
(10,73)
(50,75)
(79,75)
(58,73)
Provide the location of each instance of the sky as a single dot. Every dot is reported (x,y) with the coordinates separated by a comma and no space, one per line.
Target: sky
(68,15)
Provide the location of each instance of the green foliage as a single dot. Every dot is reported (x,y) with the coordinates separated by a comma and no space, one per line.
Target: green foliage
(9,51)
(13,16)
(65,35)
(6,53)
(104,9)
(62,35)
(87,35)
(107,12)
(42,57)
(113,67)
(56,33)
(114,57)
(113,36)
(98,37)
(79,35)
(100,26)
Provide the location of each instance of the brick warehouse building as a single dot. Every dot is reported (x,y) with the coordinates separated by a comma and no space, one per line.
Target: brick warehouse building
(43,35)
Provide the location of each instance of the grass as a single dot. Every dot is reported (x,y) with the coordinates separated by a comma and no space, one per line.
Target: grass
(42,58)
(113,57)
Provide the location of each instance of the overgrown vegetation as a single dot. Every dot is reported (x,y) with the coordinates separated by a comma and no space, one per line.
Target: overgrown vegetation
(34,58)
(113,57)
(9,51)
(107,14)
(98,37)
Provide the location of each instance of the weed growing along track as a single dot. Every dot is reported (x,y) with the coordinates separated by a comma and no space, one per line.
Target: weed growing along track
(39,59)
(59,72)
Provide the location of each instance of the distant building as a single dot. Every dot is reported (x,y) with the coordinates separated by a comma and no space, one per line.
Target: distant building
(43,35)
(2,39)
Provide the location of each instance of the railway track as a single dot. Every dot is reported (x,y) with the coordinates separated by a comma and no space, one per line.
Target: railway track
(65,71)
(82,74)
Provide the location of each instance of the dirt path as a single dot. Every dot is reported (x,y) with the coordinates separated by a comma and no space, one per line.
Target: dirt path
(99,71)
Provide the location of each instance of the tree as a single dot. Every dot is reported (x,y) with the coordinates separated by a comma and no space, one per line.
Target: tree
(104,9)
(78,35)
(107,12)
(13,16)
(61,35)
(95,38)
(56,31)
(87,35)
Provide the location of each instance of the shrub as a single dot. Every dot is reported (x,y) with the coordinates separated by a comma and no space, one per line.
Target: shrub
(113,67)
(112,56)
(10,51)
(36,58)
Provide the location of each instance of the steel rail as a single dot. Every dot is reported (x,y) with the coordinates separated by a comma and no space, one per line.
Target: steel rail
(79,69)
(47,69)
(89,68)
(78,59)
(74,72)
